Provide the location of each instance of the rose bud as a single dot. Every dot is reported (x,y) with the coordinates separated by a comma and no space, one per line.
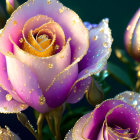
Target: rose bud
(111,120)
(132,37)
(7,134)
(47,56)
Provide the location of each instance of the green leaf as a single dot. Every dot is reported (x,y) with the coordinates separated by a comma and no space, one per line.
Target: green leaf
(120,75)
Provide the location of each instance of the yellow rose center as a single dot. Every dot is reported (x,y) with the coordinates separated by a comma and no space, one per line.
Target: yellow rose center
(42,36)
(41,46)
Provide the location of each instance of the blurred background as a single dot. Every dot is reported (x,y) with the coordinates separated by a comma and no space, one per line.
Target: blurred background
(120,76)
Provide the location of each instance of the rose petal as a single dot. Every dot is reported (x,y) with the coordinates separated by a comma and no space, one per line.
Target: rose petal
(42,22)
(135,40)
(26,84)
(100,41)
(73,27)
(91,63)
(93,123)
(68,135)
(77,131)
(4,80)
(10,105)
(56,29)
(79,88)
(59,89)
(68,20)
(83,79)
(120,116)
(130,29)
(45,68)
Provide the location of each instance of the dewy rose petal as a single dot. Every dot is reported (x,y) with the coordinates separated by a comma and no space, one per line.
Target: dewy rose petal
(113,119)
(48,55)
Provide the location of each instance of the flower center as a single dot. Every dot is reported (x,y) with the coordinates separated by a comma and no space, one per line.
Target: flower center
(42,39)
(41,46)
(123,132)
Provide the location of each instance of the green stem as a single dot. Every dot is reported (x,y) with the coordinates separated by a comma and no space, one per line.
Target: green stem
(40,125)
(49,120)
(54,118)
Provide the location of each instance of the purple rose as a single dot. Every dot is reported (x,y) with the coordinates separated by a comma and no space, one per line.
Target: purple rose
(111,120)
(47,56)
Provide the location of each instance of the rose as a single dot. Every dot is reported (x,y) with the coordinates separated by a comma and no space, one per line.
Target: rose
(132,37)
(7,134)
(111,120)
(43,61)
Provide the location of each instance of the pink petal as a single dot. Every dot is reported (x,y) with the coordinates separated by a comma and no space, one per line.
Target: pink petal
(59,89)
(100,41)
(10,106)
(26,84)
(4,80)
(45,68)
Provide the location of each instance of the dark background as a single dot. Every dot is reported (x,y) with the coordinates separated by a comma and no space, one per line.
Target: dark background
(119,13)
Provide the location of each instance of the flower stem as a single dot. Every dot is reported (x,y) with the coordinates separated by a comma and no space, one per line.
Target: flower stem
(54,118)
(39,125)
(138,79)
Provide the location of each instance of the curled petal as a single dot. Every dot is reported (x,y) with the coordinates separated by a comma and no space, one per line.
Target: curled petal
(79,88)
(4,79)
(59,89)
(77,131)
(8,104)
(118,116)
(45,68)
(25,84)
(96,58)
(100,41)
(83,82)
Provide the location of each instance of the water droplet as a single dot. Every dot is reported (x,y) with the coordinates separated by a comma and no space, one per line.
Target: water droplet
(50,65)
(8,97)
(105,44)
(95,38)
(49,1)
(102,30)
(42,100)
(14,22)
